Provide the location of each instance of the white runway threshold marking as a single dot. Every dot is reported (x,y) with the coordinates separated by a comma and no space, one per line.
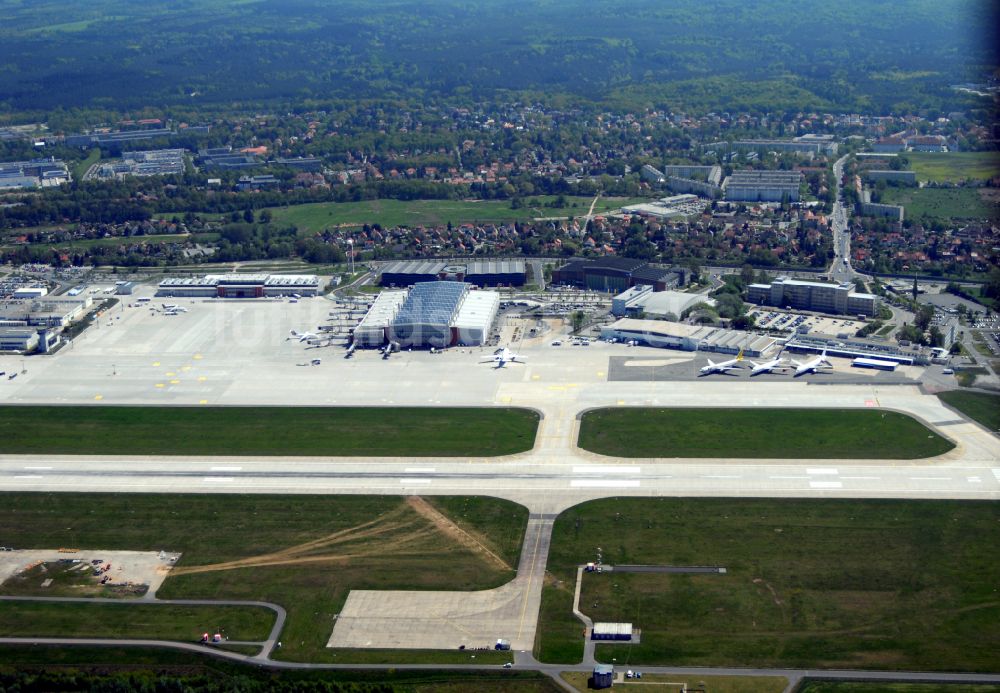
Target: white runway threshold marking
(420,470)
(414,481)
(38,467)
(226,469)
(825,484)
(604,483)
(29,476)
(606,469)
(930,478)
(822,470)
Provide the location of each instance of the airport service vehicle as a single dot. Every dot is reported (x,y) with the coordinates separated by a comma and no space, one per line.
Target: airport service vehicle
(503,356)
(812,365)
(722,366)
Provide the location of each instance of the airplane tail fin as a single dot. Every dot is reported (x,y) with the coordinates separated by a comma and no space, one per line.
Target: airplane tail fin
(739,356)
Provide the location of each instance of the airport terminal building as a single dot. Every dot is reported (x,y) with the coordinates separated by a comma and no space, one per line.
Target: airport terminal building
(431,314)
(240,286)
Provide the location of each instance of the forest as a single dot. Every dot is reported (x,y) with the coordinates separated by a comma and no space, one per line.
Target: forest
(870,56)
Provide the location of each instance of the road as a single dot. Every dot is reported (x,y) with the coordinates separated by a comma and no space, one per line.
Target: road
(840,270)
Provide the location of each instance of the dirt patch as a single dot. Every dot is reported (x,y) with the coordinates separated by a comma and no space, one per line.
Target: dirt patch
(453,531)
(83,572)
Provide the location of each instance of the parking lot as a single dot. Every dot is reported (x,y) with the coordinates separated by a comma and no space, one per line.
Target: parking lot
(771,319)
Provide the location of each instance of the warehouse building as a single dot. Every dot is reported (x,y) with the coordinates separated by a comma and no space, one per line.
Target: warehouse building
(51,311)
(643,300)
(622,632)
(482,273)
(240,286)
(763,186)
(834,299)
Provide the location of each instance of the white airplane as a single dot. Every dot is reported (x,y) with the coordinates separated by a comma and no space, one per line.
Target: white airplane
(766,367)
(504,356)
(812,365)
(723,366)
(174,307)
(302,336)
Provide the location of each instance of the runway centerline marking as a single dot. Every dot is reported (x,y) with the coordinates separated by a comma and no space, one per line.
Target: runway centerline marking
(930,478)
(28,476)
(217,479)
(604,483)
(721,476)
(789,477)
(38,467)
(860,478)
(606,469)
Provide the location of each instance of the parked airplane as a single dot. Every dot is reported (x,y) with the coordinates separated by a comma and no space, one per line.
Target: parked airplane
(812,365)
(767,366)
(503,356)
(722,366)
(302,336)
(173,307)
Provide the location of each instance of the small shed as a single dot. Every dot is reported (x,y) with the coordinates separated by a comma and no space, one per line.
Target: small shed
(502,644)
(611,631)
(604,675)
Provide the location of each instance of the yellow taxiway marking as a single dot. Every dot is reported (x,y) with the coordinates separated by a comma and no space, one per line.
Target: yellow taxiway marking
(197,357)
(621,403)
(156,363)
(202,378)
(535,377)
(174,381)
(159,384)
(600,374)
(203,401)
(98,397)
(185,368)
(170,374)
(505,400)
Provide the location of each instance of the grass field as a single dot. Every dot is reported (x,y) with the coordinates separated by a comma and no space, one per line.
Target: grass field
(158,621)
(954,167)
(870,687)
(979,406)
(312,218)
(323,431)
(65,668)
(303,552)
(880,584)
(770,433)
(944,204)
(705,684)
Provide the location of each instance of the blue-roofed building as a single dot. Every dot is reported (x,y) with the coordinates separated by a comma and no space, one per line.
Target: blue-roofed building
(425,318)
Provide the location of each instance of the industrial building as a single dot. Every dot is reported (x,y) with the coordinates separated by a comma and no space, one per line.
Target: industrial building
(834,299)
(240,286)
(37,173)
(157,162)
(444,313)
(642,300)
(617,274)
(30,292)
(763,186)
(676,335)
(479,272)
(668,207)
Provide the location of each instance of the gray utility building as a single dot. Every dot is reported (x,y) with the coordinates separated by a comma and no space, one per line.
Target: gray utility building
(763,186)
(836,299)
(611,631)
(478,272)
(433,314)
(603,676)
